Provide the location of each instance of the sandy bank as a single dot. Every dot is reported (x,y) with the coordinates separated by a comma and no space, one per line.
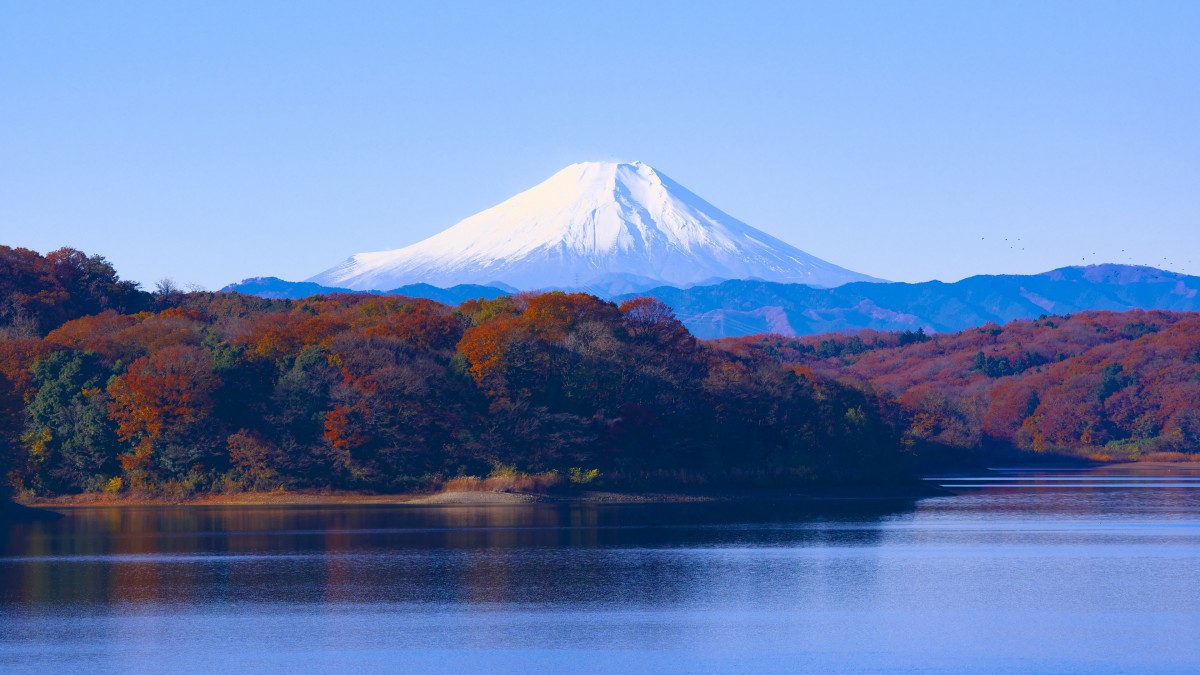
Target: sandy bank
(481,498)
(1166,468)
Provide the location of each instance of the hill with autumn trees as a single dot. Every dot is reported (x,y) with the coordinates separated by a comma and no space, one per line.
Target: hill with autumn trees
(1104,385)
(104,387)
(107,388)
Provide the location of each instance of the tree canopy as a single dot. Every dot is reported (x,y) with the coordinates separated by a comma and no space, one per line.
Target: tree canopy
(228,392)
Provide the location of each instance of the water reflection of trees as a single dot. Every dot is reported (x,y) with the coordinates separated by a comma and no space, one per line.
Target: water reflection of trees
(541,555)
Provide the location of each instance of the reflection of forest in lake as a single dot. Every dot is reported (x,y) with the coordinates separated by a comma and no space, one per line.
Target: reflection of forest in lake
(537,553)
(1034,574)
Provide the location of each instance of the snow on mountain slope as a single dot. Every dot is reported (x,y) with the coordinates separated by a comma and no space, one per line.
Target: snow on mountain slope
(591,221)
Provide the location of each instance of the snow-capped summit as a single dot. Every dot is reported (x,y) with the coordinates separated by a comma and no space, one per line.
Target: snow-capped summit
(592,220)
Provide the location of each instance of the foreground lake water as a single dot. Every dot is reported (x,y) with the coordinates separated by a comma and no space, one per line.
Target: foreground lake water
(1019,571)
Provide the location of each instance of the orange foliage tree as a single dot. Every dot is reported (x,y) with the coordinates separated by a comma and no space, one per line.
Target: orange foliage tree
(158,405)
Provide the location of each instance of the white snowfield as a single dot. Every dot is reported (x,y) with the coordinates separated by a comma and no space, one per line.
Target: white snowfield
(591,221)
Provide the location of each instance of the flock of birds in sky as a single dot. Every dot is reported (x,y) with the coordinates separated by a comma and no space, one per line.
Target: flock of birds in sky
(1165,263)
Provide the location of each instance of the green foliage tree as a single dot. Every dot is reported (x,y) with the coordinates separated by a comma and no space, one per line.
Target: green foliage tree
(70,439)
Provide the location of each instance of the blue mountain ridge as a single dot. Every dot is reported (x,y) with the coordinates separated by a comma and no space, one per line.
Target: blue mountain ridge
(745,307)
(275,288)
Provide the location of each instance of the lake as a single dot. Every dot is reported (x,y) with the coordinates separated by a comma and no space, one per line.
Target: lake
(1018,571)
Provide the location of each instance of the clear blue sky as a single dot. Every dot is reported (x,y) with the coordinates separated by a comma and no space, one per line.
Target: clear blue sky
(211,141)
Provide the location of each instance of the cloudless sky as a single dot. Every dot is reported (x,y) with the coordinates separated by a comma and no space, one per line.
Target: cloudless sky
(212,141)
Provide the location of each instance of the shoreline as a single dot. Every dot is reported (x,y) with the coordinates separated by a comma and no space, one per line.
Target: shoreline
(321,498)
(488,498)
(1169,467)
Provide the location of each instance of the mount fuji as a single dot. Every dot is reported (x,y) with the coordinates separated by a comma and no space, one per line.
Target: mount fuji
(593,223)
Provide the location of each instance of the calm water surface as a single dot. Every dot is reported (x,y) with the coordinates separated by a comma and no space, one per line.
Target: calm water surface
(1019,571)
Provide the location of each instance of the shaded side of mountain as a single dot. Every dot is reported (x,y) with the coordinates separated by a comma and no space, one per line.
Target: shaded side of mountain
(275,288)
(735,308)
(454,295)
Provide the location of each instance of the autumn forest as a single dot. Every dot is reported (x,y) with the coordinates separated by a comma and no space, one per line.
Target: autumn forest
(105,387)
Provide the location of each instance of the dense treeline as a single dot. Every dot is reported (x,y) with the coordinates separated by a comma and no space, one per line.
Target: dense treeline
(104,387)
(39,292)
(1102,384)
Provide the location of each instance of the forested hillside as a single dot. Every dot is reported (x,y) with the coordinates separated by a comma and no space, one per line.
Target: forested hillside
(1109,385)
(181,393)
(39,292)
(104,387)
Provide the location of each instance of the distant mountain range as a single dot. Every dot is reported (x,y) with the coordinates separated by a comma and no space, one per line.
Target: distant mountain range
(273,287)
(735,308)
(619,230)
(593,224)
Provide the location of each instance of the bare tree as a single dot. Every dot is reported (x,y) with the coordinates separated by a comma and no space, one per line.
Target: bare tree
(166,287)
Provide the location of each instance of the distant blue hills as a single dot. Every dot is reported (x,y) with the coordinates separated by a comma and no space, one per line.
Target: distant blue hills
(745,307)
(273,287)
